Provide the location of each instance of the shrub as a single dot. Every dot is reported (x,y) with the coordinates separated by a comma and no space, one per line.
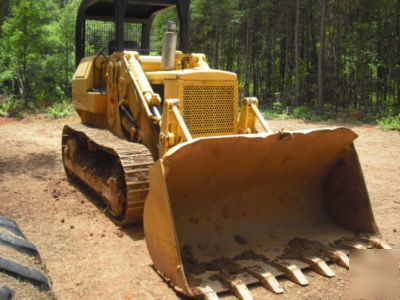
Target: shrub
(277,111)
(306,113)
(390,122)
(60,110)
(12,107)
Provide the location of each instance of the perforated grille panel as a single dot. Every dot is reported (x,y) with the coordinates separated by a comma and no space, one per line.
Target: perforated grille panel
(99,34)
(209,107)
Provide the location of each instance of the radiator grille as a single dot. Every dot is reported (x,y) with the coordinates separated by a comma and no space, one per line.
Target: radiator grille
(209,108)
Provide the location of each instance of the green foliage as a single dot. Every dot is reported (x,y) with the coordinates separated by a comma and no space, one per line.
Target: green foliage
(276,112)
(159,27)
(306,113)
(23,43)
(37,50)
(278,107)
(254,38)
(61,62)
(60,110)
(12,108)
(390,122)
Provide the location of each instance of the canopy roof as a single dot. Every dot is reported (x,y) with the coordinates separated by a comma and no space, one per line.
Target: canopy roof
(138,11)
(133,11)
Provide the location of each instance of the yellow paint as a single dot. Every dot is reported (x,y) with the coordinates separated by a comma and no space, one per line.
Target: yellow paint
(216,177)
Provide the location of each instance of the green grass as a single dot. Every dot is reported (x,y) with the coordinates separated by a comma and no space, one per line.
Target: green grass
(276,112)
(11,107)
(60,110)
(15,108)
(308,113)
(390,122)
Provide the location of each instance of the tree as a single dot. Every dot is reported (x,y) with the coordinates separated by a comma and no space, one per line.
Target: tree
(297,54)
(37,51)
(321,56)
(23,43)
(60,59)
(4,11)
(347,56)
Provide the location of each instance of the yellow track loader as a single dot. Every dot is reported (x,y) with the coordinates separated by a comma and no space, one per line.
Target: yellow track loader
(225,201)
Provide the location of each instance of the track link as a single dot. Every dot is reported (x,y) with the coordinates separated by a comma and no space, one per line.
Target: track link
(115,170)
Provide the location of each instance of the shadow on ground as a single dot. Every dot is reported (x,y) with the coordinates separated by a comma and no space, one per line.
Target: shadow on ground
(31,163)
(134,231)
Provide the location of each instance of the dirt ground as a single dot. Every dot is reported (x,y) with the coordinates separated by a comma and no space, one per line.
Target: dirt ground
(88,257)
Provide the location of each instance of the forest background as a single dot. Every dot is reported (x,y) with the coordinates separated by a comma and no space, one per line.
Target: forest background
(313,59)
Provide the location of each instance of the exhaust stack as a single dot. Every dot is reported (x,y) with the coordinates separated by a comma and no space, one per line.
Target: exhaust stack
(169,47)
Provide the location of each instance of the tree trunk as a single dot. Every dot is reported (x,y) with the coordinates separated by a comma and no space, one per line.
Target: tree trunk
(24,72)
(398,51)
(297,54)
(247,55)
(286,76)
(4,11)
(321,57)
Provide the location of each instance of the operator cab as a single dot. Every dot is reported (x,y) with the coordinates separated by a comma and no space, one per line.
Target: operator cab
(208,98)
(107,26)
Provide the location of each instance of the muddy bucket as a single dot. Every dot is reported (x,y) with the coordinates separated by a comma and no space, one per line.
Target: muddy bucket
(225,212)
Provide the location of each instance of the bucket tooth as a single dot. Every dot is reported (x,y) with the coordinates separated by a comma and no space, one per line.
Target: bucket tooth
(355,245)
(208,293)
(237,287)
(340,258)
(241,291)
(293,272)
(376,242)
(267,280)
(319,266)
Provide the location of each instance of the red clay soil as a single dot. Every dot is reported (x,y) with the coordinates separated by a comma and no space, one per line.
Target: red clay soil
(88,257)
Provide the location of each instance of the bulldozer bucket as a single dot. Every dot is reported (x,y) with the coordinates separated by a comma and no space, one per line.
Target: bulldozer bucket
(226,212)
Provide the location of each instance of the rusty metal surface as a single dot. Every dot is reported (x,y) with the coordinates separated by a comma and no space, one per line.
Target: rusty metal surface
(124,205)
(224,212)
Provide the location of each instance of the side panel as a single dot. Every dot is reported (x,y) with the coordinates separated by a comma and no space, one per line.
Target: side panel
(82,82)
(95,95)
(84,97)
